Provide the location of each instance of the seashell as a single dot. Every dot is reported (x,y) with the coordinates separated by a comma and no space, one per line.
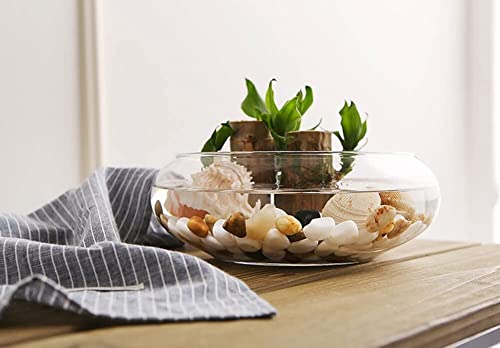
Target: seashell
(198,226)
(402,201)
(400,226)
(288,225)
(235,224)
(222,174)
(351,206)
(275,240)
(380,218)
(260,223)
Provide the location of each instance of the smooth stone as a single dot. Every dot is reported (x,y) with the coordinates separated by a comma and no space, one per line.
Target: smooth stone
(344,233)
(198,226)
(273,254)
(365,236)
(225,238)
(319,229)
(288,225)
(324,249)
(212,243)
(303,246)
(235,250)
(305,216)
(235,224)
(296,237)
(171,226)
(158,209)
(260,223)
(275,240)
(185,232)
(248,244)
(280,212)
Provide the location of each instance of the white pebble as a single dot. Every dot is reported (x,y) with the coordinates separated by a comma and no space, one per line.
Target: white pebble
(185,232)
(212,243)
(273,254)
(276,240)
(344,233)
(324,249)
(249,245)
(303,246)
(365,236)
(225,238)
(172,228)
(319,228)
(280,212)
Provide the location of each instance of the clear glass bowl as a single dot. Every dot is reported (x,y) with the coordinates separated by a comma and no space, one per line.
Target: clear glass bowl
(295,208)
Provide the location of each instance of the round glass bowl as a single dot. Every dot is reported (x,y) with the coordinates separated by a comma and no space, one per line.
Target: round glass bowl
(295,208)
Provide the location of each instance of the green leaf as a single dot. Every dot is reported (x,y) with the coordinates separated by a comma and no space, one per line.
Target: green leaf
(352,127)
(288,117)
(218,138)
(317,124)
(253,105)
(270,103)
(303,104)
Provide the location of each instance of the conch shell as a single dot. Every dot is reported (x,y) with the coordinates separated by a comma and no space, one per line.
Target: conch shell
(402,201)
(222,174)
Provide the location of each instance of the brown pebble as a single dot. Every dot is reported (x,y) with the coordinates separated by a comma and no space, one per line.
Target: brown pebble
(158,209)
(210,221)
(163,221)
(235,224)
(198,226)
(296,237)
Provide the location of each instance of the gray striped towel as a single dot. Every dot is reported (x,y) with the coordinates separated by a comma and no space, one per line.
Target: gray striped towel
(87,252)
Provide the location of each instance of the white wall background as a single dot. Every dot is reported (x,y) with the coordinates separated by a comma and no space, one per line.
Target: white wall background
(171,70)
(39,102)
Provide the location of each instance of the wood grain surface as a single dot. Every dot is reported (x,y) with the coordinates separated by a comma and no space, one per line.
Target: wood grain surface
(425,293)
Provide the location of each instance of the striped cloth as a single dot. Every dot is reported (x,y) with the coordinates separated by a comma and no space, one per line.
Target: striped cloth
(87,252)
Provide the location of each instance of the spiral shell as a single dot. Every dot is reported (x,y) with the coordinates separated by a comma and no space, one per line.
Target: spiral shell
(402,201)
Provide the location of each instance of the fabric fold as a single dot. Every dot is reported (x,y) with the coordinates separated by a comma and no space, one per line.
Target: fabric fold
(96,237)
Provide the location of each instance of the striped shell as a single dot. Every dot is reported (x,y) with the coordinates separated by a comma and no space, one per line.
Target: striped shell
(351,206)
(402,201)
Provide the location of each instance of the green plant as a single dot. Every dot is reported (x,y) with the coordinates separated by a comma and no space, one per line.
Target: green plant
(218,138)
(353,131)
(280,121)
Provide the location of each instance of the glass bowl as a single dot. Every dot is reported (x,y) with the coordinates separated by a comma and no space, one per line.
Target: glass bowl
(295,208)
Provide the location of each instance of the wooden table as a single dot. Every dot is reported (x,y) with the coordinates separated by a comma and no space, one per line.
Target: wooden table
(425,293)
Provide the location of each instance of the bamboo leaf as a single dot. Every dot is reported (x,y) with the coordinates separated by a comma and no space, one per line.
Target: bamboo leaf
(253,105)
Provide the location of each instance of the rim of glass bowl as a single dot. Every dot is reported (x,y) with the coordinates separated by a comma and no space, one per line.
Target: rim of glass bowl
(292,153)
(317,153)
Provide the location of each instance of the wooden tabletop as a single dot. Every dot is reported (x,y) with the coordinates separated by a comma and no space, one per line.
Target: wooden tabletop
(420,294)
